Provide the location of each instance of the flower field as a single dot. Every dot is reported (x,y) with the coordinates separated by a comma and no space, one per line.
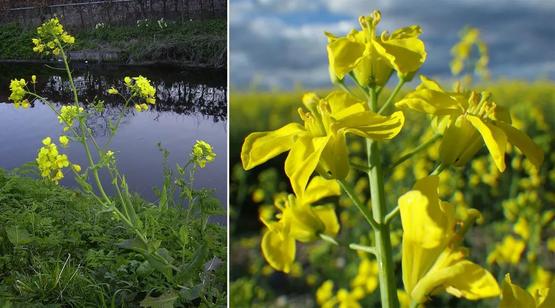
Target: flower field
(514,234)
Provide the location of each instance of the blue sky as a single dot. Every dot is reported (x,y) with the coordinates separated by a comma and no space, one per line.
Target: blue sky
(280,43)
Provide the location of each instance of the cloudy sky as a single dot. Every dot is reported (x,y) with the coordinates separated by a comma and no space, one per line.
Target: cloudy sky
(280,43)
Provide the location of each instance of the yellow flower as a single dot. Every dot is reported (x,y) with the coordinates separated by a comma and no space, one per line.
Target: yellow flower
(76,167)
(508,252)
(141,87)
(372,57)
(50,162)
(18,92)
(64,140)
(112,91)
(432,259)
(68,114)
(349,299)
(320,144)
(464,117)
(202,153)
(109,154)
(367,276)
(324,292)
(298,220)
(34,79)
(141,107)
(51,35)
(515,296)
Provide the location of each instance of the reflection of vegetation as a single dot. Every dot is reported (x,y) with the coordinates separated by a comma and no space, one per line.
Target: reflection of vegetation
(189,93)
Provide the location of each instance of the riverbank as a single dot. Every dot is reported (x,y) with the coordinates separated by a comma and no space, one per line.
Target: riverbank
(187,44)
(60,248)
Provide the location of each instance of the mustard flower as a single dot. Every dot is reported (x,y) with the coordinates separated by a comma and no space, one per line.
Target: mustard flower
(141,87)
(432,259)
(50,162)
(508,252)
(202,153)
(515,296)
(112,91)
(51,35)
(367,276)
(298,220)
(68,114)
(18,92)
(466,119)
(141,107)
(34,79)
(320,144)
(64,140)
(372,58)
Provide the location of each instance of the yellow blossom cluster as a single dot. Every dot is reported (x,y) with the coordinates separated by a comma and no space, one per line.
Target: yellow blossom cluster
(51,163)
(51,36)
(202,153)
(18,92)
(68,114)
(140,87)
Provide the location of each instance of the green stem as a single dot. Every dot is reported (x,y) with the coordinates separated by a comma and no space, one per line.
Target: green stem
(362,208)
(389,217)
(384,255)
(83,128)
(391,97)
(416,150)
(438,169)
(367,249)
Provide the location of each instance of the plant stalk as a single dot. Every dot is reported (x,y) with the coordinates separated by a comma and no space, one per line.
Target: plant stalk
(384,255)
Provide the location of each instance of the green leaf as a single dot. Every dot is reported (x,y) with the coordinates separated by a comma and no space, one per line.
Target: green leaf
(165,300)
(18,235)
(135,245)
(190,294)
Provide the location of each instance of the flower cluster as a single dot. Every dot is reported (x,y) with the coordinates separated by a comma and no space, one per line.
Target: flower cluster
(202,153)
(298,220)
(463,117)
(18,92)
(51,162)
(320,145)
(140,87)
(372,58)
(68,114)
(51,36)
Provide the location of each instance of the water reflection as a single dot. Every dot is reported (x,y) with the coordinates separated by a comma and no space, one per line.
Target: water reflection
(178,91)
(190,105)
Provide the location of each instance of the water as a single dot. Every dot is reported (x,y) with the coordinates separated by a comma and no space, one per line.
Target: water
(190,105)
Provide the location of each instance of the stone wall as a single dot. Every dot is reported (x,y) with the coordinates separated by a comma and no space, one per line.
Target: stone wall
(87,13)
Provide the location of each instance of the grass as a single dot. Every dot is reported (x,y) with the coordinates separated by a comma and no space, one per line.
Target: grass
(191,43)
(58,247)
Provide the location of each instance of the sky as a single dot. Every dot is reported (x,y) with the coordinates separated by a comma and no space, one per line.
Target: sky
(279,44)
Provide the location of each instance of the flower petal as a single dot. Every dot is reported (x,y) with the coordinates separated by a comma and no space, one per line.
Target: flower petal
(471,281)
(515,296)
(320,188)
(278,248)
(519,139)
(426,228)
(302,161)
(343,55)
(261,146)
(495,139)
(326,213)
(371,125)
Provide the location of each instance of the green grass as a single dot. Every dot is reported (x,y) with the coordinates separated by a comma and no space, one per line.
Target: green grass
(59,247)
(194,43)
